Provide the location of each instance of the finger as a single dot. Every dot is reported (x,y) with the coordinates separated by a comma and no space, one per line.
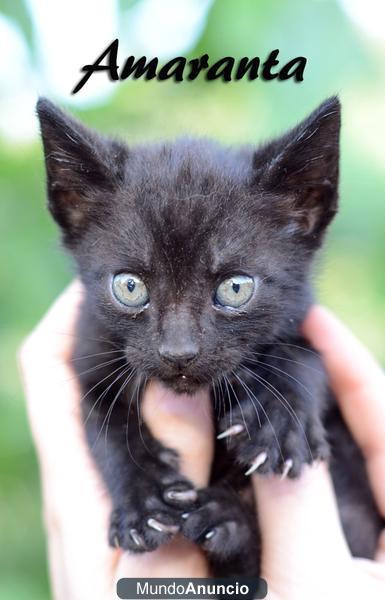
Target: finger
(300,529)
(359,385)
(182,422)
(51,389)
(56,329)
(380,554)
(44,360)
(178,558)
(372,568)
(76,506)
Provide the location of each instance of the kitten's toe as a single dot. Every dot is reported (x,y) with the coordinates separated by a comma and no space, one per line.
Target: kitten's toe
(275,461)
(141,533)
(280,444)
(181,495)
(116,540)
(162,526)
(258,461)
(287,467)
(286,462)
(222,538)
(231,431)
(136,538)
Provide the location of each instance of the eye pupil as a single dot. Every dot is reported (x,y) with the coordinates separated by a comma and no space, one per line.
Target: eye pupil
(236,287)
(131,285)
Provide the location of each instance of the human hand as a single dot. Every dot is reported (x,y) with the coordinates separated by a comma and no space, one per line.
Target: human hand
(304,553)
(76,504)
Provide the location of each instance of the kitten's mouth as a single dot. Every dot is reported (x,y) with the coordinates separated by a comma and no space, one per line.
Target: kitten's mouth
(182,384)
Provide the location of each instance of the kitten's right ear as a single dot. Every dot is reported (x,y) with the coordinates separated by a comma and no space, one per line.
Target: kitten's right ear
(302,168)
(79,164)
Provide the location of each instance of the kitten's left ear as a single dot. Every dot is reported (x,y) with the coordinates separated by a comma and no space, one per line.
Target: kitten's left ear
(303,166)
(82,167)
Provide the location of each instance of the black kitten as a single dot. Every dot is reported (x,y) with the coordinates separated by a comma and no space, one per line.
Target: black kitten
(195,260)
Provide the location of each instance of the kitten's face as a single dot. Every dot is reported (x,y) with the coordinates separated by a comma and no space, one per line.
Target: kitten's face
(192,255)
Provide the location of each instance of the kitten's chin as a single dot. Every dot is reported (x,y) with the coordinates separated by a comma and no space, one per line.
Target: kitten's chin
(182,384)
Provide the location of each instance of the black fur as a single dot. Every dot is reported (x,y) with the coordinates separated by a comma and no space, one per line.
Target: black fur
(183,216)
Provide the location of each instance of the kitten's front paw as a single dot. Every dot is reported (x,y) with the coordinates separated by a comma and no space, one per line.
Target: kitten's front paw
(224,528)
(278,442)
(143,524)
(141,532)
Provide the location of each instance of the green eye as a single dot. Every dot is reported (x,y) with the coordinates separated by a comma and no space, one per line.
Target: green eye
(235,291)
(130,290)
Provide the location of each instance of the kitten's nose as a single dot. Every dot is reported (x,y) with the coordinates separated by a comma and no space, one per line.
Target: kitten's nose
(179,355)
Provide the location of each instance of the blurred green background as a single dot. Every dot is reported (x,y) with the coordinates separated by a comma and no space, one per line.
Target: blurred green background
(343,58)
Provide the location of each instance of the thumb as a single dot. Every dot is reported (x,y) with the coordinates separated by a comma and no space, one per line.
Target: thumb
(301,531)
(182,422)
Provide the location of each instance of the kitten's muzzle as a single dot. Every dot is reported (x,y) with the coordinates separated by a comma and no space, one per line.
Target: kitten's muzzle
(178,339)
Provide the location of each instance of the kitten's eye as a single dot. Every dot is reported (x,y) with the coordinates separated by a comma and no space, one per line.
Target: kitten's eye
(235,291)
(130,290)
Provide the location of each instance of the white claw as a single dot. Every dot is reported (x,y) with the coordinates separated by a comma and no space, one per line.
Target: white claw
(136,538)
(287,466)
(183,495)
(233,430)
(210,534)
(162,527)
(116,542)
(257,462)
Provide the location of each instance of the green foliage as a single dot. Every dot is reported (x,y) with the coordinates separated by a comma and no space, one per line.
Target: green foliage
(16,11)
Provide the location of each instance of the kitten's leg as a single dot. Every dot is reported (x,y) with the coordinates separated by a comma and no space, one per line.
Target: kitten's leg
(276,421)
(148,493)
(225,529)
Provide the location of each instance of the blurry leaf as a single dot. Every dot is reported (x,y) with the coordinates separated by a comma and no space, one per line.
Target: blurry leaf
(320,31)
(17,11)
(124,5)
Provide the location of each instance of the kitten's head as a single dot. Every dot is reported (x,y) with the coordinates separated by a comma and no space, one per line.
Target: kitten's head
(192,254)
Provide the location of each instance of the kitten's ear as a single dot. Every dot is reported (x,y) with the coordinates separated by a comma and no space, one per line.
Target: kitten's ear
(80,165)
(303,167)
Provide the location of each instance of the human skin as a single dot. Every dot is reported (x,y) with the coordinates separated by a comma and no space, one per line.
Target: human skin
(304,553)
